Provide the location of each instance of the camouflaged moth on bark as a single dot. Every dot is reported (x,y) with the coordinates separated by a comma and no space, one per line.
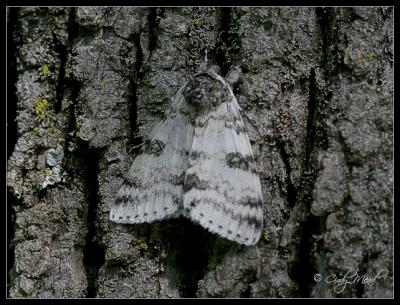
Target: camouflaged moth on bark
(199,164)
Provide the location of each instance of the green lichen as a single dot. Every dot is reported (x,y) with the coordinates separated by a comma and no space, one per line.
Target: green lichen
(66,105)
(78,124)
(132,266)
(45,69)
(40,108)
(197,21)
(265,234)
(71,146)
(101,84)
(293,64)
(147,83)
(370,56)
(142,245)
(253,70)
(259,29)
(258,92)
(150,80)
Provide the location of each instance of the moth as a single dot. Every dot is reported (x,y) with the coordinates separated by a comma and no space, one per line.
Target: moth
(198,163)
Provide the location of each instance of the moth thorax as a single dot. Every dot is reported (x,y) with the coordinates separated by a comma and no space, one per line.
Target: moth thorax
(204,92)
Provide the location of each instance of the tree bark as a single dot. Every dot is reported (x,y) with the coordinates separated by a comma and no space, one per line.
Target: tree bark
(87,84)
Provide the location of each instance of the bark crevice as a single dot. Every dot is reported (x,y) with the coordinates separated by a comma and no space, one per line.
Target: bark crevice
(93,251)
(228,43)
(329,35)
(153,19)
(189,256)
(63,51)
(72,88)
(316,138)
(135,76)
(291,191)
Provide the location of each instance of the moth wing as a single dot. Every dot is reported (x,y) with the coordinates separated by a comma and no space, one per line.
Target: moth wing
(222,190)
(152,189)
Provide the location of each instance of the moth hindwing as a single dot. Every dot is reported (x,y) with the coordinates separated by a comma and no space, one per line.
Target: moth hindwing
(199,164)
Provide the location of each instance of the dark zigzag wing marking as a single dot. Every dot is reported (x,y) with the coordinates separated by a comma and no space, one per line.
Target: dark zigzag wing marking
(222,190)
(152,189)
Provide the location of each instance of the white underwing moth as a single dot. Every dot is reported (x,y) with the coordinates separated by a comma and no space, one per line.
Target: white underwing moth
(198,163)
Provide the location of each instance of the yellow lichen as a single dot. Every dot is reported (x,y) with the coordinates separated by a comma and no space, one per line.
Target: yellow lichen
(253,70)
(142,245)
(148,83)
(45,69)
(259,29)
(258,92)
(196,21)
(66,105)
(40,107)
(265,234)
(132,266)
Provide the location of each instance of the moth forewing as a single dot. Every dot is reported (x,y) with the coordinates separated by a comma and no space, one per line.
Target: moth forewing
(152,189)
(222,190)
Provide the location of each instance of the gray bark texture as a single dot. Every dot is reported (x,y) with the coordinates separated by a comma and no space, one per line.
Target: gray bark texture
(88,84)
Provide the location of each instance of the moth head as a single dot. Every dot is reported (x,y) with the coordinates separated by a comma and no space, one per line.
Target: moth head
(204,91)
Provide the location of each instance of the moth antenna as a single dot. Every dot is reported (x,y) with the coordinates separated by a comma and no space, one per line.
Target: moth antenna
(204,65)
